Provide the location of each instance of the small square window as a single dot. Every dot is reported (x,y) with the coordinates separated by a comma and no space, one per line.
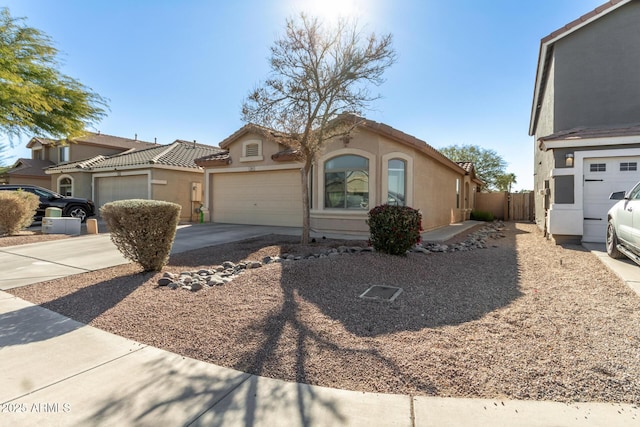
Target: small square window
(628,166)
(598,167)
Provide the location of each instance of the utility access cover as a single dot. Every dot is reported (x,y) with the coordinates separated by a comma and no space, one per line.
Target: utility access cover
(381,293)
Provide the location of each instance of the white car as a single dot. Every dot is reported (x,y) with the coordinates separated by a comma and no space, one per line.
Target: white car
(623,229)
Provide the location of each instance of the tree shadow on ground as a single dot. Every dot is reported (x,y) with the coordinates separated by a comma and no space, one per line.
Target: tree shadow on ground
(173,390)
(32,323)
(439,290)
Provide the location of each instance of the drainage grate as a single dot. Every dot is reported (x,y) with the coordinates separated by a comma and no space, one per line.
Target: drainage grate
(381,293)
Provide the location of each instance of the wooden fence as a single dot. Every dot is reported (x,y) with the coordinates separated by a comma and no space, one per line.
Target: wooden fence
(507,206)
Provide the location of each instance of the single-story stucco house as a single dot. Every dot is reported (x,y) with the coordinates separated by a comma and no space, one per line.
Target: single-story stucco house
(256,180)
(159,172)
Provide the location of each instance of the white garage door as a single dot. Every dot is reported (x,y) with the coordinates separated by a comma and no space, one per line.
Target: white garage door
(260,198)
(603,176)
(112,188)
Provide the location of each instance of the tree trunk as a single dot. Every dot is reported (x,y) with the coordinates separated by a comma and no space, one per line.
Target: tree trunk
(306,224)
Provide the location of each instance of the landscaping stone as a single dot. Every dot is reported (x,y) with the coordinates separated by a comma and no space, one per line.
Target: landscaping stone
(225,273)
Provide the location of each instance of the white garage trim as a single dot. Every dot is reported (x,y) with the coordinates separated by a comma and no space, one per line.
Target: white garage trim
(569,218)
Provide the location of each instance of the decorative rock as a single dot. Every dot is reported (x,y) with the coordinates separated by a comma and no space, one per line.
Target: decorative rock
(228,264)
(169,275)
(196,286)
(186,279)
(164,281)
(173,285)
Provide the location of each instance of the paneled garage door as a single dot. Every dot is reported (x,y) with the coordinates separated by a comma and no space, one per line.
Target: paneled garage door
(112,188)
(603,176)
(260,198)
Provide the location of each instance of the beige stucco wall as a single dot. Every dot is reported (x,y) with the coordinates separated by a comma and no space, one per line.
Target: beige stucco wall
(81,183)
(79,151)
(175,186)
(430,187)
(29,180)
(269,148)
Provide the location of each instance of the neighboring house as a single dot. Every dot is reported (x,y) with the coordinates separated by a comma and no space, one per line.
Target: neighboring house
(48,152)
(159,172)
(256,180)
(585,118)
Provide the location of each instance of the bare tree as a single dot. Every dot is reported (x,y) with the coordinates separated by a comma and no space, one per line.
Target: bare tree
(318,73)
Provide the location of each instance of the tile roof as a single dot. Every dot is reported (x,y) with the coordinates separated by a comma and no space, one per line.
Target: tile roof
(287,155)
(273,135)
(85,164)
(546,48)
(29,167)
(467,166)
(98,139)
(600,132)
(292,154)
(178,154)
(407,139)
(217,159)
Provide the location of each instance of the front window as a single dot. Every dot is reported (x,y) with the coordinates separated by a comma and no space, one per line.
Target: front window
(397,182)
(346,183)
(64,187)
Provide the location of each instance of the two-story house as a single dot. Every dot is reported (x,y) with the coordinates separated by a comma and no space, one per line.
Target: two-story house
(47,152)
(585,119)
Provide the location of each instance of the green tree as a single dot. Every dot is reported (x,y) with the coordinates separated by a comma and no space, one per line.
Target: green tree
(35,97)
(489,165)
(505,181)
(317,73)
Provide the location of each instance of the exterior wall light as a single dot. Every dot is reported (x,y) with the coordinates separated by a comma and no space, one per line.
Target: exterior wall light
(568,160)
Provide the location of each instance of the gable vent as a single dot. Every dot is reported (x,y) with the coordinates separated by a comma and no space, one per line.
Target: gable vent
(252,150)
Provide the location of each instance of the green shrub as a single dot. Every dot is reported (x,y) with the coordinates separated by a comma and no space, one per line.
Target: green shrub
(143,230)
(394,229)
(17,209)
(481,216)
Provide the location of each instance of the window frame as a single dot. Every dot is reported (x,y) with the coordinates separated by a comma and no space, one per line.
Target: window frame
(366,201)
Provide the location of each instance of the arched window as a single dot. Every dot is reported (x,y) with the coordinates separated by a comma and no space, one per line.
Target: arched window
(346,182)
(397,182)
(65,187)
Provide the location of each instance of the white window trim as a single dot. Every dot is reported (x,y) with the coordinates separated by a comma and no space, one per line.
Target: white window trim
(259,157)
(60,178)
(319,187)
(385,175)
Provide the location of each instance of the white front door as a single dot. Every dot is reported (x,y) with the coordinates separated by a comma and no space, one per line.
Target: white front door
(603,176)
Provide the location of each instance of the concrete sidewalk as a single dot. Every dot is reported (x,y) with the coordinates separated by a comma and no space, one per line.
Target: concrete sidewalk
(60,372)
(627,270)
(56,371)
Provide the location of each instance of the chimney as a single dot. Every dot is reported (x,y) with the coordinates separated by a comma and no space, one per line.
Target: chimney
(194,143)
(135,137)
(155,140)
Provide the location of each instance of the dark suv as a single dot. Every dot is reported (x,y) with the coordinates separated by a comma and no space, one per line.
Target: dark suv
(71,206)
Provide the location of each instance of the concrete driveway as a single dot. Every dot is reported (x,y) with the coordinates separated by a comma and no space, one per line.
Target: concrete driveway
(37,262)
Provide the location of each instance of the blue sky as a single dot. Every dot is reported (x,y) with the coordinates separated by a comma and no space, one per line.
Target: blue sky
(179,69)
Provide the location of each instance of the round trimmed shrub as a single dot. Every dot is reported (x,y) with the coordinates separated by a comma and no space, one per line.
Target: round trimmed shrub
(17,209)
(143,230)
(394,229)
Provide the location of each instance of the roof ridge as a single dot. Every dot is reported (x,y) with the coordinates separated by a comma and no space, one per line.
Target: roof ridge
(170,148)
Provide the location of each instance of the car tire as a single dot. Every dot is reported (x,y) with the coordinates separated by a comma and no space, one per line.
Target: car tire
(612,242)
(77,212)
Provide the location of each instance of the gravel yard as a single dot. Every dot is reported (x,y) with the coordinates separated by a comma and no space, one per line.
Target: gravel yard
(522,319)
